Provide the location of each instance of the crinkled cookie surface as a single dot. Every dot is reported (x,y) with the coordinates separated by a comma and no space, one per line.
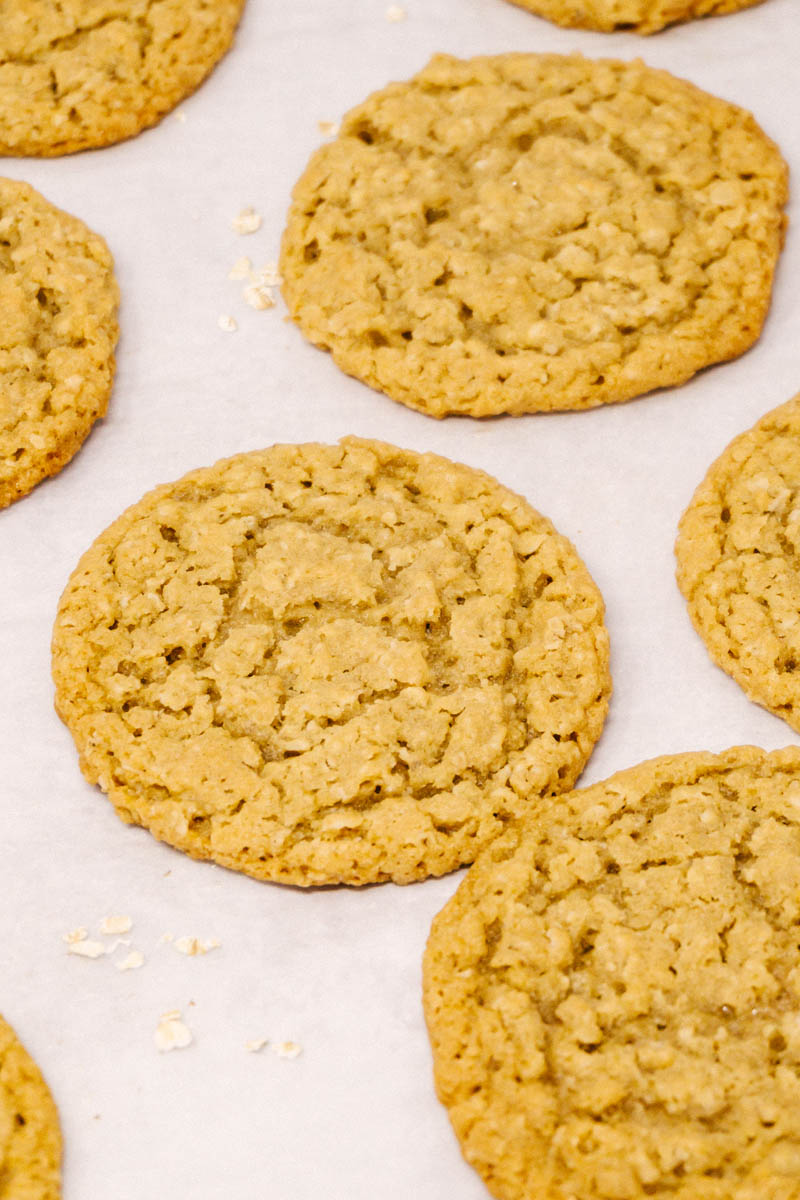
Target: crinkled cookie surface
(643,16)
(324,664)
(529,232)
(58,330)
(75,74)
(30,1139)
(738,553)
(613,994)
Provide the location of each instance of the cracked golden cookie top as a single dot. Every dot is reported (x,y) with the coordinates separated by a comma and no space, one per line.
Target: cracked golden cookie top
(81,73)
(531,232)
(325,664)
(643,16)
(613,994)
(30,1139)
(58,330)
(738,553)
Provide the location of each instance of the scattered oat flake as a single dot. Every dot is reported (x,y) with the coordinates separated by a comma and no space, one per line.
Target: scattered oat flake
(172,1033)
(247,221)
(76,935)
(288,1049)
(86,948)
(256,1044)
(258,297)
(328,128)
(395,13)
(130,962)
(227,322)
(167,937)
(180,115)
(241,269)
(194,945)
(116,925)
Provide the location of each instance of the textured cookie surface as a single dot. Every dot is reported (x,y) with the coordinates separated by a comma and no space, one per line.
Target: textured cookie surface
(738,554)
(643,16)
(58,329)
(30,1140)
(532,232)
(613,994)
(331,663)
(81,73)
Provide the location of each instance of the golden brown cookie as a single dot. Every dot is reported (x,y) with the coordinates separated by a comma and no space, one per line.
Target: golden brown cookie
(30,1139)
(325,664)
(613,993)
(81,73)
(58,330)
(738,552)
(532,232)
(642,16)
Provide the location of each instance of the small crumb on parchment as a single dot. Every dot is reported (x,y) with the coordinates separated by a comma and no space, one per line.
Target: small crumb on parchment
(180,115)
(86,948)
(257,1044)
(241,269)
(287,1049)
(116,924)
(258,297)
(76,935)
(328,128)
(395,13)
(227,323)
(172,1033)
(131,962)
(193,946)
(247,221)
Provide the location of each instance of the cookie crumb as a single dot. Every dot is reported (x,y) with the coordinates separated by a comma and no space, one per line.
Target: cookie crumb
(193,946)
(258,297)
(241,269)
(130,962)
(172,1033)
(76,935)
(247,221)
(118,924)
(180,116)
(256,1044)
(86,948)
(288,1049)
(395,13)
(328,128)
(227,323)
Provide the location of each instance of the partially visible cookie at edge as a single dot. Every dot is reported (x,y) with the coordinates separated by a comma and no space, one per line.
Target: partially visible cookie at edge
(738,555)
(531,232)
(331,664)
(58,330)
(641,16)
(30,1138)
(613,993)
(78,74)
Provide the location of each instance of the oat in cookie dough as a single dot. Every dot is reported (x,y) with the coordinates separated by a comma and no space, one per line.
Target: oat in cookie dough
(75,74)
(30,1139)
(530,232)
(738,553)
(331,664)
(58,330)
(613,994)
(642,16)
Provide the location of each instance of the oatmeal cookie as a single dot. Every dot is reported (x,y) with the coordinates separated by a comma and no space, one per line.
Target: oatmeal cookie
(75,74)
(613,993)
(738,553)
(531,232)
(30,1139)
(642,16)
(324,664)
(58,330)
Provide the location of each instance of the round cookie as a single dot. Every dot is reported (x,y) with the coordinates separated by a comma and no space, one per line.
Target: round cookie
(331,664)
(30,1139)
(530,232)
(738,566)
(58,330)
(613,993)
(75,74)
(642,16)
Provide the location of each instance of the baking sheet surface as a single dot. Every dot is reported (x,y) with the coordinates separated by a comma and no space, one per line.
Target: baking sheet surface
(335,971)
